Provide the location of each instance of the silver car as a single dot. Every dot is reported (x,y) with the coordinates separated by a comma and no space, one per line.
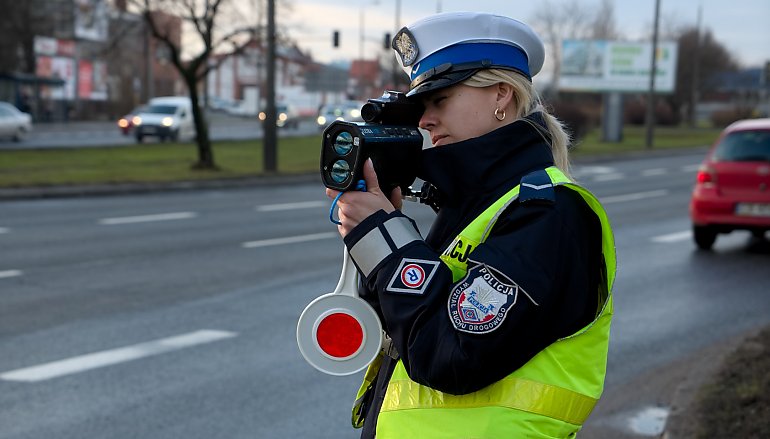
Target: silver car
(14,123)
(348,111)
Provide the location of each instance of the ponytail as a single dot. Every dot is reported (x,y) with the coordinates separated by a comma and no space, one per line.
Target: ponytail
(527,101)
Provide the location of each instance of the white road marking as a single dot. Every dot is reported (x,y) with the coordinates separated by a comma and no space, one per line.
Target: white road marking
(650,422)
(690,168)
(10,273)
(290,240)
(111,357)
(4,230)
(589,170)
(633,197)
(654,171)
(291,206)
(673,237)
(608,177)
(147,218)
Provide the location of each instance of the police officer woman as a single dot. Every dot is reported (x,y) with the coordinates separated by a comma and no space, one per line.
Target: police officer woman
(498,320)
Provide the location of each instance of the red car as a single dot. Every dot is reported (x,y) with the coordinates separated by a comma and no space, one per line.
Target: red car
(126,123)
(732,188)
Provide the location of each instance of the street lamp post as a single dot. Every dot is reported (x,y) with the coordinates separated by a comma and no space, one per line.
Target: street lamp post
(270,138)
(650,120)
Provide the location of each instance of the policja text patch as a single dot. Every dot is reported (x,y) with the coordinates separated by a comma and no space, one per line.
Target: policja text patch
(480,302)
(412,276)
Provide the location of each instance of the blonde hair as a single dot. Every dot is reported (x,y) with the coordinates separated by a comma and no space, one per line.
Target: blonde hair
(526,101)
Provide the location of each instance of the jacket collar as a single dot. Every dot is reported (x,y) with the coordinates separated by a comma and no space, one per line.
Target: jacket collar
(487,164)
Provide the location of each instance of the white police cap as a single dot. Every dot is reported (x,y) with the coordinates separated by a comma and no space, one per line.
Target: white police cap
(444,49)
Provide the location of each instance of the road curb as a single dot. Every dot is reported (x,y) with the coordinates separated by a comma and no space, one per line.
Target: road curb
(64,191)
(71,191)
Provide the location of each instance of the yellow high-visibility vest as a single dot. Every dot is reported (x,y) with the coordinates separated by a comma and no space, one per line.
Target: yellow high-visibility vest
(550,396)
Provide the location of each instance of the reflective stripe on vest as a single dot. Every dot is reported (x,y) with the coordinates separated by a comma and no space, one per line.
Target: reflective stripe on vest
(552,394)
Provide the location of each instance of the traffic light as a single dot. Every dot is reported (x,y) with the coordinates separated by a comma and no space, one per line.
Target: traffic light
(336,38)
(767,74)
(386,42)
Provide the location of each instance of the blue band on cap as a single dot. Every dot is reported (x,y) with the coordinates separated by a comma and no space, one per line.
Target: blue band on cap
(498,55)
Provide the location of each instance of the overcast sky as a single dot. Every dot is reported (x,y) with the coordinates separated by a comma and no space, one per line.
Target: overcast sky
(742,26)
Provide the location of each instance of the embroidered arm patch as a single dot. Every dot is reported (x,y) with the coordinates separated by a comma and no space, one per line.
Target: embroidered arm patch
(479,303)
(412,276)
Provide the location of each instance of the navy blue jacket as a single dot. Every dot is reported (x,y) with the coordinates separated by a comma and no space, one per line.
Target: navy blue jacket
(551,250)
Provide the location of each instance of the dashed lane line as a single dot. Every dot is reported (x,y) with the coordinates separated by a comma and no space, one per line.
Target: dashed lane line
(291,206)
(633,197)
(10,273)
(673,237)
(690,168)
(112,357)
(608,177)
(290,240)
(4,230)
(147,218)
(654,171)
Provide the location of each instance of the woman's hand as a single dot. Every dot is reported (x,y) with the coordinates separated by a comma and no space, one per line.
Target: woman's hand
(355,206)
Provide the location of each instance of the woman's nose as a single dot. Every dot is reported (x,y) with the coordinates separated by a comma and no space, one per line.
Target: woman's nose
(427,121)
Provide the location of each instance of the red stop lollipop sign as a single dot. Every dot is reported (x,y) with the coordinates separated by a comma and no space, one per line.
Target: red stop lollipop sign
(339,333)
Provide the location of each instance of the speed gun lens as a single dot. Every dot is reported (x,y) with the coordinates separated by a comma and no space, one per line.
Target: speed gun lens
(340,335)
(343,143)
(340,171)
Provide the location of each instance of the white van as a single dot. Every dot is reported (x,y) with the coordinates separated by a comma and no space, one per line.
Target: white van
(166,118)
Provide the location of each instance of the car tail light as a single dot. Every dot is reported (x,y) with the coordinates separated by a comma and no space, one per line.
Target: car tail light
(706,177)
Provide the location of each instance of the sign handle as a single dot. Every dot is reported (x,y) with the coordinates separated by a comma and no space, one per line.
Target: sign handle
(348,283)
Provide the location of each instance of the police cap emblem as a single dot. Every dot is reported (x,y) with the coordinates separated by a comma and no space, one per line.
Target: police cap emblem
(405,46)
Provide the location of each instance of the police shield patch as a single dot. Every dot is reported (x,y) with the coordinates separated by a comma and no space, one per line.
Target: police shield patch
(480,302)
(412,276)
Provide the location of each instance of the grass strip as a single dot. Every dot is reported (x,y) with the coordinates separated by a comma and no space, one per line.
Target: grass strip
(164,162)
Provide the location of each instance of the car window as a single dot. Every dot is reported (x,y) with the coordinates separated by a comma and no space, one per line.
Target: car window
(161,109)
(744,146)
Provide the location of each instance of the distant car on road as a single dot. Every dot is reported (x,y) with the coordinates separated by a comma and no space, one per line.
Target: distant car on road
(165,118)
(126,123)
(286,116)
(14,123)
(732,188)
(348,111)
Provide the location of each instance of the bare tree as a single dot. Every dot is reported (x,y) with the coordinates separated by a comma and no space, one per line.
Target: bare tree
(202,17)
(603,23)
(572,20)
(22,22)
(712,58)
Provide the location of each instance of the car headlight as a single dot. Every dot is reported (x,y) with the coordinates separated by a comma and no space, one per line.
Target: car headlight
(321,120)
(123,123)
(167,121)
(137,120)
(262,115)
(282,117)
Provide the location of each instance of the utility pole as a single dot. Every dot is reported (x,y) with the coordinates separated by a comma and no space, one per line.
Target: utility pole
(270,139)
(650,120)
(695,71)
(396,68)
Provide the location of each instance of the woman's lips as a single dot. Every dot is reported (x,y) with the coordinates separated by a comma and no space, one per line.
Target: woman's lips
(436,139)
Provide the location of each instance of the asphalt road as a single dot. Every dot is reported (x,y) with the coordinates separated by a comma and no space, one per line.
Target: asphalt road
(78,134)
(173,314)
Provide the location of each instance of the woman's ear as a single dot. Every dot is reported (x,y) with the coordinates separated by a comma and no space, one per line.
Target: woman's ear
(504,95)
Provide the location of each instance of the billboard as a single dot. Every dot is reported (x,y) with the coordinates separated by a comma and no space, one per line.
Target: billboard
(91,20)
(600,65)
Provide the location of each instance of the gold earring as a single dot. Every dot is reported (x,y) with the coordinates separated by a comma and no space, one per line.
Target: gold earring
(498,116)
